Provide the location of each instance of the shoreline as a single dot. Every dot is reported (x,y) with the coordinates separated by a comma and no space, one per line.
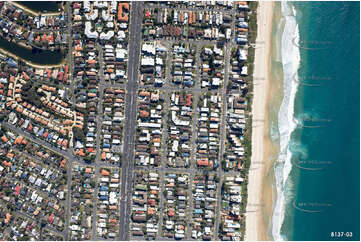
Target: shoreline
(256,221)
(44,66)
(20,43)
(32,12)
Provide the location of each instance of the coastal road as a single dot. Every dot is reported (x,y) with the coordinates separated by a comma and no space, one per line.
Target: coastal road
(135,27)
(220,173)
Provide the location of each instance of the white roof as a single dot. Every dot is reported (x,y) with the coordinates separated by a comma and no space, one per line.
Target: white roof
(88,32)
(147,61)
(107,35)
(150,48)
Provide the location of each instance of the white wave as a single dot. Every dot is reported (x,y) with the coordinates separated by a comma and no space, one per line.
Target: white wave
(286,123)
(274,135)
(308,115)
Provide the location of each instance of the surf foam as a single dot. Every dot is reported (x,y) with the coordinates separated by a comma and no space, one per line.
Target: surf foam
(286,123)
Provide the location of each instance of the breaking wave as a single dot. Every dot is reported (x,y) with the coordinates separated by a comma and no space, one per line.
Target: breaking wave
(286,122)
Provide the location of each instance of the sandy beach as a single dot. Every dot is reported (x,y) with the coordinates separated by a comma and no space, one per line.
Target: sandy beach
(260,201)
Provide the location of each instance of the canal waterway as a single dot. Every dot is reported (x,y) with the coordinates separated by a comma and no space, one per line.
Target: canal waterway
(43,6)
(35,56)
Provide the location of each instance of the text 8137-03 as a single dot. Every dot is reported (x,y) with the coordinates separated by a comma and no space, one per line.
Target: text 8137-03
(341,234)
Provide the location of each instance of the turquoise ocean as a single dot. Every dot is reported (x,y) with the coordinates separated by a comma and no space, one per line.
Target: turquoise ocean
(318,169)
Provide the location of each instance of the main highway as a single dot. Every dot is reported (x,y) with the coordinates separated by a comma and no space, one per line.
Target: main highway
(135,36)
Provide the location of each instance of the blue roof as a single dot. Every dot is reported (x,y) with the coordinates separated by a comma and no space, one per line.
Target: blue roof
(12,63)
(172,175)
(197,210)
(41,131)
(104,188)
(19,205)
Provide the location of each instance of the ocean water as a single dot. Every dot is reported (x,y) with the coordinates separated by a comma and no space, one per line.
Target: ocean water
(318,168)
